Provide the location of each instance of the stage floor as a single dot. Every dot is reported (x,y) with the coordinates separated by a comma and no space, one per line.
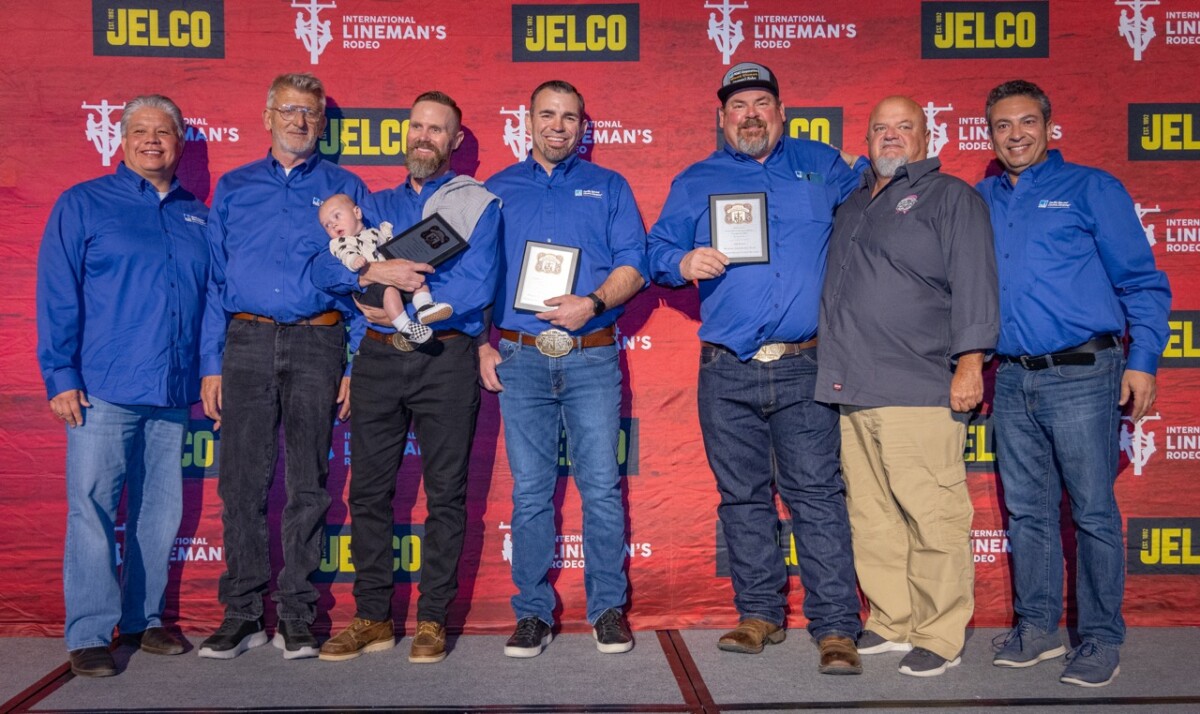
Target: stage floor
(668,671)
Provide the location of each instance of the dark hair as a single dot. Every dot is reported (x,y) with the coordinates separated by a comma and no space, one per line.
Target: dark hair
(442,98)
(1018,88)
(557,85)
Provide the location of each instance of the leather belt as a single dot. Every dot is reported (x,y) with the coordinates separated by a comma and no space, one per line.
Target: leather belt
(772,350)
(400,342)
(556,343)
(1084,354)
(324,319)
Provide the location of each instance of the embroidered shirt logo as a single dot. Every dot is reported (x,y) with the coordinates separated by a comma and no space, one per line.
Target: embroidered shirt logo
(906,204)
(588,193)
(194,219)
(317,202)
(1044,203)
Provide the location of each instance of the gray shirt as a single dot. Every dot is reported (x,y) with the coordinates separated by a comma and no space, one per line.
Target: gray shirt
(910,284)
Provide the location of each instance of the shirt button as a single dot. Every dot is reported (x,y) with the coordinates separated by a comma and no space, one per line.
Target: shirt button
(777,275)
(1010,225)
(1006,255)
(276,289)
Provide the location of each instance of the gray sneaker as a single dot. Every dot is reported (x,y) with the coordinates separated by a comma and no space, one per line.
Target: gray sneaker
(1092,664)
(870,643)
(1025,646)
(925,663)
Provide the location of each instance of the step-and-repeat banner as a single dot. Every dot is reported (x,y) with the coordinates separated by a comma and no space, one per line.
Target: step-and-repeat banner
(1121,75)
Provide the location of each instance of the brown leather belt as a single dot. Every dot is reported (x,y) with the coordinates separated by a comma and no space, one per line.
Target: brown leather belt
(562,341)
(395,339)
(772,350)
(324,319)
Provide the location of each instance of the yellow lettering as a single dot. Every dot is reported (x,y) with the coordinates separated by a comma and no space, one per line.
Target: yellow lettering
(1150,549)
(117,31)
(535,38)
(348,137)
(817,129)
(344,559)
(1171,546)
(389,129)
(556,33)
(1189,556)
(970,30)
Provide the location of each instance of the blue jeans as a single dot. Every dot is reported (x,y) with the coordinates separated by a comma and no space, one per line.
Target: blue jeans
(120,448)
(762,427)
(580,392)
(1056,427)
(273,373)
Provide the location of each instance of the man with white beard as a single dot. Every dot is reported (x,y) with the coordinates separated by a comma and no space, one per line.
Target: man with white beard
(908,311)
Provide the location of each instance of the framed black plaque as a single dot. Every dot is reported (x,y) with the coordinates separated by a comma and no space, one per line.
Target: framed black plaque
(431,241)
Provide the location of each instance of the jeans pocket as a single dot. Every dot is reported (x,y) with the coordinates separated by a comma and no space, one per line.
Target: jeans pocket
(507,350)
(709,355)
(599,355)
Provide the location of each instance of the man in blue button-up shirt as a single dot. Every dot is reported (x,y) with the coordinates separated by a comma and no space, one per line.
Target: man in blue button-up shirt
(557,367)
(273,349)
(1075,273)
(758,367)
(433,385)
(121,276)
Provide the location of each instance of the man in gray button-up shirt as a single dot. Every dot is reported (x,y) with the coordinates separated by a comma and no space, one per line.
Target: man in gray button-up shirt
(908,310)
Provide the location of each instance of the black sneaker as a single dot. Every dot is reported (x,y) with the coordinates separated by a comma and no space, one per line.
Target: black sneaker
(232,638)
(612,632)
(295,639)
(529,639)
(921,662)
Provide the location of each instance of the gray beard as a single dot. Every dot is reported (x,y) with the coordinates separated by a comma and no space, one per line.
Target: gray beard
(422,169)
(887,167)
(753,147)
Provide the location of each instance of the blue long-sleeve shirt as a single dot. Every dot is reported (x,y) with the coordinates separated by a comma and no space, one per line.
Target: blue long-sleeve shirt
(121,279)
(754,303)
(1074,263)
(467,281)
(264,234)
(577,204)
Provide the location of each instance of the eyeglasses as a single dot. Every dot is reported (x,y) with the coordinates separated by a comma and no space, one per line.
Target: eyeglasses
(289,112)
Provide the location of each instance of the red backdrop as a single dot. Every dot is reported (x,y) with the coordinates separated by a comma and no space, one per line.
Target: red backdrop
(1121,75)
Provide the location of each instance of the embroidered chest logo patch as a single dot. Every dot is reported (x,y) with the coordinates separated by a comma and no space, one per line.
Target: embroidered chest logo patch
(906,204)
(1044,203)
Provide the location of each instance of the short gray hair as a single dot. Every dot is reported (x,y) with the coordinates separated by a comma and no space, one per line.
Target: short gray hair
(301,82)
(153,101)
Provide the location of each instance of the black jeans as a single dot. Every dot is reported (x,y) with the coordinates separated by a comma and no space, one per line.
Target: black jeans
(272,372)
(434,387)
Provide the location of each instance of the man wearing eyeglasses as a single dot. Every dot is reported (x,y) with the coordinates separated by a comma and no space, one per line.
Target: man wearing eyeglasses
(273,349)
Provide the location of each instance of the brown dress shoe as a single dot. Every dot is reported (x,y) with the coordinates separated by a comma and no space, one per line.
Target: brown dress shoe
(750,636)
(155,640)
(839,656)
(360,637)
(92,662)
(429,644)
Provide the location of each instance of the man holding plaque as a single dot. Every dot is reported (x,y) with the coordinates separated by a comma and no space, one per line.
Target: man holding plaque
(576,251)
(908,310)
(768,199)
(432,385)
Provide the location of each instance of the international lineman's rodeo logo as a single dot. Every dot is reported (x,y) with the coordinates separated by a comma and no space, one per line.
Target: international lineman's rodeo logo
(102,131)
(1138,443)
(1136,29)
(516,135)
(310,30)
(939,134)
(725,32)
(1142,212)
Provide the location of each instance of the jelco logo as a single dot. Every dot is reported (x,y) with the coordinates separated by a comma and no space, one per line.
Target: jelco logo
(575,33)
(823,124)
(1164,132)
(337,565)
(201,448)
(979,452)
(365,137)
(982,30)
(170,28)
(1169,546)
(1183,343)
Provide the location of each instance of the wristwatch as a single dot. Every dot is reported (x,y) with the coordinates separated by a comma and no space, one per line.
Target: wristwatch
(599,306)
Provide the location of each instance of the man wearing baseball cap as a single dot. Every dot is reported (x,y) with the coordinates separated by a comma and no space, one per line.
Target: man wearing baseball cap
(751,225)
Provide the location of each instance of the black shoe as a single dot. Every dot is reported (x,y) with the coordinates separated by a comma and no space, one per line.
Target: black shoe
(92,662)
(232,638)
(155,640)
(295,639)
(612,632)
(530,638)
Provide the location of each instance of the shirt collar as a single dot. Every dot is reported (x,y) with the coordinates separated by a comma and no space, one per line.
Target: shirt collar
(430,186)
(140,182)
(1035,173)
(304,167)
(564,167)
(908,172)
(733,151)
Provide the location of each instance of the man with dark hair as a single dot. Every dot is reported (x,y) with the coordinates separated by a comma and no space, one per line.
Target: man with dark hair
(432,385)
(1075,275)
(273,350)
(758,365)
(558,368)
(907,312)
(120,371)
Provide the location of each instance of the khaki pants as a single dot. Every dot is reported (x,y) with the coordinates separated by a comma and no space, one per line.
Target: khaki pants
(910,521)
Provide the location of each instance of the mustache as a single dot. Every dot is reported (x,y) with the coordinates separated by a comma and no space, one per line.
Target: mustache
(752,123)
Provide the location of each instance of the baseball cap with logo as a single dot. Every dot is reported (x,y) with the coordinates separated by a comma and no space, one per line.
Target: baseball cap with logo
(747,75)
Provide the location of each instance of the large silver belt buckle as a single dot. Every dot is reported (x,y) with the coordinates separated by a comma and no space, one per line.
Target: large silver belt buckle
(554,343)
(401,343)
(770,353)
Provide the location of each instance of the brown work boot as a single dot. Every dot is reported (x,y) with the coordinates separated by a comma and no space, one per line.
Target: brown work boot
(429,644)
(750,635)
(839,656)
(155,640)
(360,637)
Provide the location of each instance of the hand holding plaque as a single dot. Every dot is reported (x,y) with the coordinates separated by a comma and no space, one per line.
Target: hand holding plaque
(432,241)
(738,223)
